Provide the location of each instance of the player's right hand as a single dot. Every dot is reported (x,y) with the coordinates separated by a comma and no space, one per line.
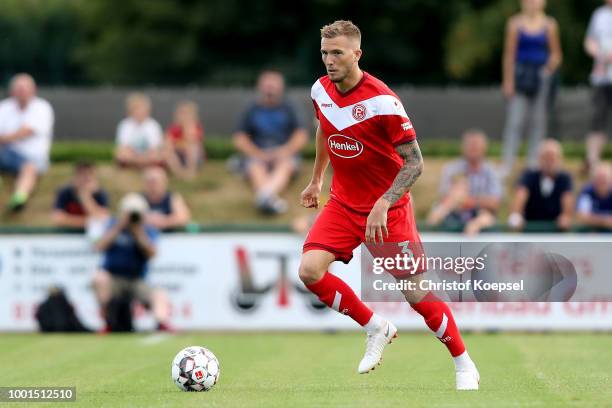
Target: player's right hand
(310,196)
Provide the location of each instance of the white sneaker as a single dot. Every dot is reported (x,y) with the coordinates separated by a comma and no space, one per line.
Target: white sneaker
(375,344)
(467,379)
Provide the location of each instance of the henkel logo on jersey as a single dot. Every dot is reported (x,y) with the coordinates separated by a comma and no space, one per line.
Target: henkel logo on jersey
(344,146)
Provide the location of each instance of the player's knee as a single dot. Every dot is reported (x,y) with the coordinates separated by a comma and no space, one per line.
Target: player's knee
(310,272)
(414,297)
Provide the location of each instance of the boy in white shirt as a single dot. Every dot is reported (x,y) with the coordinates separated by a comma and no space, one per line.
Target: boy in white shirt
(139,137)
(26,131)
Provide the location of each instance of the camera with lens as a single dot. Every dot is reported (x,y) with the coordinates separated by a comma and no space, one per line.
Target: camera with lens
(135,217)
(135,206)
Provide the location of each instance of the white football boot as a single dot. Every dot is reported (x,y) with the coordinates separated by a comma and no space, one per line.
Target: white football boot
(467,379)
(375,344)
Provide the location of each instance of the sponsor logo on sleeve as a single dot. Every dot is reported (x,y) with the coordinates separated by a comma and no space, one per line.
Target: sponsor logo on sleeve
(406,126)
(344,146)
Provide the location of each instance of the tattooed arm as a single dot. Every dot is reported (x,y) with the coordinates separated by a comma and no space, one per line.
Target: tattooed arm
(376,226)
(408,174)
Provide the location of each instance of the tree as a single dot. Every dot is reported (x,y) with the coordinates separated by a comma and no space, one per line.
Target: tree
(38,36)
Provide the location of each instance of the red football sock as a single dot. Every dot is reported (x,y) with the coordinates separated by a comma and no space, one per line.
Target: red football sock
(439,318)
(335,293)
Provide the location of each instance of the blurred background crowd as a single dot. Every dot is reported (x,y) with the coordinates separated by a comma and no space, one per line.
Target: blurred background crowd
(533,49)
(67,64)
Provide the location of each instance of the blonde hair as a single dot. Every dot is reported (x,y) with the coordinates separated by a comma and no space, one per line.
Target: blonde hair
(341,28)
(188,107)
(135,99)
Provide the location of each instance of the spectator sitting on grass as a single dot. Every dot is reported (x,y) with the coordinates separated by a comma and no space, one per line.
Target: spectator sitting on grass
(81,199)
(128,245)
(270,137)
(184,138)
(167,209)
(594,204)
(544,194)
(470,191)
(26,130)
(139,137)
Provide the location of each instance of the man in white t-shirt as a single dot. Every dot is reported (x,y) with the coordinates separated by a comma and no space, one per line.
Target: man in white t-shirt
(598,44)
(139,137)
(26,131)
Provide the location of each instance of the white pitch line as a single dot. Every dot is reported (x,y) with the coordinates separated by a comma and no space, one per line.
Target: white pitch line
(154,339)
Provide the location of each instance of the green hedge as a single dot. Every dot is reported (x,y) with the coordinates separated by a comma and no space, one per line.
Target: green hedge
(221,148)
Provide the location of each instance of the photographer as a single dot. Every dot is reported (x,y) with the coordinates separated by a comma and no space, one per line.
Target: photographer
(128,244)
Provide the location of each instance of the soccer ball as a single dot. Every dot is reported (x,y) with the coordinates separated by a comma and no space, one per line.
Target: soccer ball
(195,368)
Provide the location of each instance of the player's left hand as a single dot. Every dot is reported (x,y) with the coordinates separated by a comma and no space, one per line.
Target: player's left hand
(376,226)
(310,196)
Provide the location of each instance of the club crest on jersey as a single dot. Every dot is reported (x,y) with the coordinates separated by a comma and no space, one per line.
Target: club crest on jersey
(359,112)
(344,146)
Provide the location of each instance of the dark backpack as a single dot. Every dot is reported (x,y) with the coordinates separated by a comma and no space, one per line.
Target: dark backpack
(56,314)
(119,313)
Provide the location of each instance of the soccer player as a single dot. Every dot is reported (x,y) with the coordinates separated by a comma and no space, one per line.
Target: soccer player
(365,133)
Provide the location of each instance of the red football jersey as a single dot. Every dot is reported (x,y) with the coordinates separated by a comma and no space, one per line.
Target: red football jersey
(362,128)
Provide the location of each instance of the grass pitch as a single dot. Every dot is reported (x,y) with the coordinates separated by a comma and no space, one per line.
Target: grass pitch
(314,370)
